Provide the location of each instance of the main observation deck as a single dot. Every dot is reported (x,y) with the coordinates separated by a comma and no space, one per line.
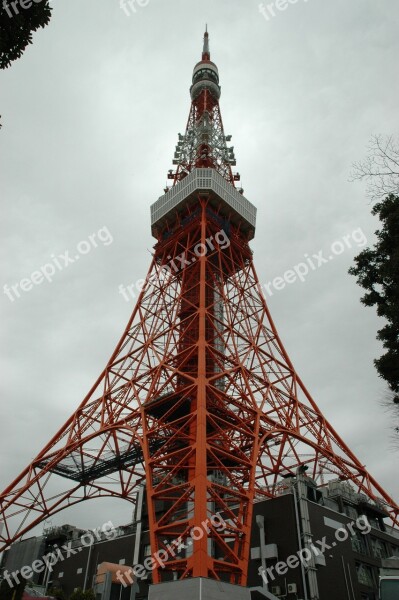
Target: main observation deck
(222,195)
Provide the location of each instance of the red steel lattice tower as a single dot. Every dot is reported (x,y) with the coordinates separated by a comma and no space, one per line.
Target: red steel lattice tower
(199,399)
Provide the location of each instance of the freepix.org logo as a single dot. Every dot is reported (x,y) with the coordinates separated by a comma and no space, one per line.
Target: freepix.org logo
(60,553)
(172,549)
(12,8)
(269,11)
(130,7)
(57,264)
(317,548)
(176,264)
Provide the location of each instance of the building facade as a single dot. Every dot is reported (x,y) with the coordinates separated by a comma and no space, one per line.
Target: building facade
(308,543)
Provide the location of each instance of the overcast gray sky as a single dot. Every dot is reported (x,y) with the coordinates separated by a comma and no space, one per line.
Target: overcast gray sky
(90,119)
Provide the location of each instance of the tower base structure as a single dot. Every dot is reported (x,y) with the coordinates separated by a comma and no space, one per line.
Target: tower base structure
(198,588)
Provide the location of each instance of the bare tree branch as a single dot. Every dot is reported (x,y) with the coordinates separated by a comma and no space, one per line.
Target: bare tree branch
(380,168)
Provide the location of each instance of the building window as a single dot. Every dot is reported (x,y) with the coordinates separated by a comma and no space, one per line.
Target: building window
(60,575)
(359,543)
(122,561)
(379,548)
(374,522)
(364,574)
(147,550)
(79,571)
(350,511)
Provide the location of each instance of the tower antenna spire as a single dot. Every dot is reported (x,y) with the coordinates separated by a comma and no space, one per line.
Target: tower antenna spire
(206,55)
(204,143)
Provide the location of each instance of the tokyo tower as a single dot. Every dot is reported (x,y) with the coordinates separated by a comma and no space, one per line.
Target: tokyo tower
(199,401)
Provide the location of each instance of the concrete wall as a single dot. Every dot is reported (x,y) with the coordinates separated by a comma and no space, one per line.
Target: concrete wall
(198,589)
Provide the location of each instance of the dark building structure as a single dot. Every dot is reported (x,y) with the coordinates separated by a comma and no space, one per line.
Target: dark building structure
(345,535)
(307,543)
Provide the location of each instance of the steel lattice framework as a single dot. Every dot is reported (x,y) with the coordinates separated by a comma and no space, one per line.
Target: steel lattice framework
(199,399)
(204,143)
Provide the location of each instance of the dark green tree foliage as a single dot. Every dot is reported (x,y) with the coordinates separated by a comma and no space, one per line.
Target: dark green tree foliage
(11,593)
(377,271)
(56,592)
(79,594)
(16,27)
